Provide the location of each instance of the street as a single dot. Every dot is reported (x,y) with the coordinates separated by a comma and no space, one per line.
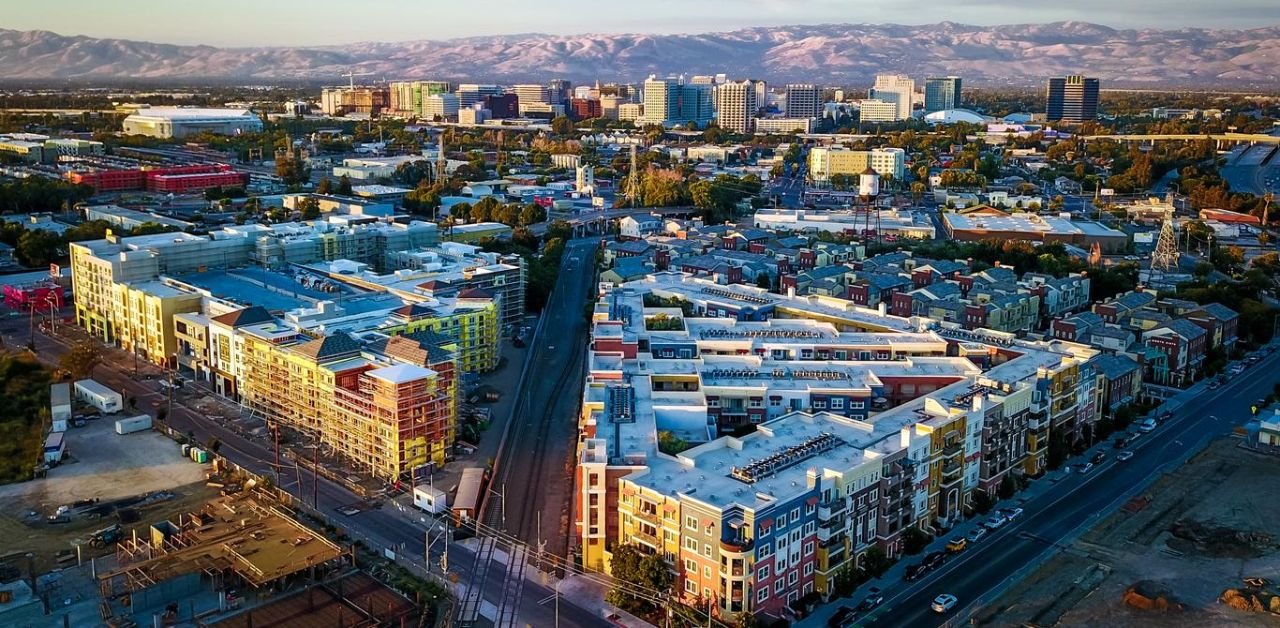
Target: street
(1068,504)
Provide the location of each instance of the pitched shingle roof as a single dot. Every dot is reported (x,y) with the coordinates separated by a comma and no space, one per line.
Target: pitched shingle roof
(332,346)
(251,315)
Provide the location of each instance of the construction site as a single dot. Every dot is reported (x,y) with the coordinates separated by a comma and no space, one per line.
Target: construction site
(239,558)
(1197,548)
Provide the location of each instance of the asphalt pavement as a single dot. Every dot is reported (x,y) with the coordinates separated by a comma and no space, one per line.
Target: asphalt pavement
(1060,506)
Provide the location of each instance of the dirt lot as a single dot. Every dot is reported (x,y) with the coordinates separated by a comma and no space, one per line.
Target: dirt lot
(142,475)
(1195,533)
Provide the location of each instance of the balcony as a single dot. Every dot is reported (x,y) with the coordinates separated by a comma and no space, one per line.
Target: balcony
(953,449)
(651,517)
(647,539)
(829,509)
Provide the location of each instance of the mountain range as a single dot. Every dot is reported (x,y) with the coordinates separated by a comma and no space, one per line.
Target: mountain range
(851,54)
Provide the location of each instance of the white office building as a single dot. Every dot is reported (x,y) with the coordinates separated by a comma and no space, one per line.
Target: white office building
(737,106)
(898,89)
(876,110)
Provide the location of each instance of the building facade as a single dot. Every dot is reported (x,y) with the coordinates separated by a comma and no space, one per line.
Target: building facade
(1072,99)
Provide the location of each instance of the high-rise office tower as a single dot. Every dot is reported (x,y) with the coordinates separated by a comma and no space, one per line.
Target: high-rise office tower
(471,93)
(531,92)
(661,99)
(898,89)
(736,106)
(941,93)
(559,91)
(697,104)
(804,101)
(1072,99)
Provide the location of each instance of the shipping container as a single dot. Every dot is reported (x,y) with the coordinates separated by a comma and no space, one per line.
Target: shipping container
(194,453)
(202,456)
(134,424)
(470,488)
(99,396)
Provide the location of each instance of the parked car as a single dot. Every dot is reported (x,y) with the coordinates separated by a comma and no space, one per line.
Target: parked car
(1121,443)
(914,572)
(934,560)
(977,534)
(958,544)
(844,616)
(1165,416)
(1124,455)
(1011,513)
(1215,384)
(1098,458)
(994,522)
(1147,425)
(943,603)
(875,597)
(1086,467)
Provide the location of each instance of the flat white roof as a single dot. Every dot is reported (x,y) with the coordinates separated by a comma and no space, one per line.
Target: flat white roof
(192,113)
(401,373)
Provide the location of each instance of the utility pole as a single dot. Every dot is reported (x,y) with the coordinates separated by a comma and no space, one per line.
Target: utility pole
(315,477)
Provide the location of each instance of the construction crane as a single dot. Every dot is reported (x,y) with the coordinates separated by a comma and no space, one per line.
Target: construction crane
(351,76)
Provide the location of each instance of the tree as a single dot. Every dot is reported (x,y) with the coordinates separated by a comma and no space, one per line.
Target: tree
(914,540)
(309,208)
(669,443)
(344,185)
(632,566)
(562,126)
(80,360)
(292,171)
(1007,486)
(325,186)
(763,280)
(875,562)
(532,213)
(38,247)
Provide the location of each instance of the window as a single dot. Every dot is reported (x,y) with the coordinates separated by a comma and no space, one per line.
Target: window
(713,403)
(778,586)
(691,545)
(856,405)
(775,402)
(762,594)
(808,569)
(762,573)
(792,577)
(808,550)
(706,550)
(690,566)
(690,587)
(706,572)
(837,403)
(820,404)
(810,508)
(809,528)
(764,551)
(795,515)
(691,523)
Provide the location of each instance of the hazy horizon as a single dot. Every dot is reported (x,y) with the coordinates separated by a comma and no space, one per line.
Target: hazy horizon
(294,23)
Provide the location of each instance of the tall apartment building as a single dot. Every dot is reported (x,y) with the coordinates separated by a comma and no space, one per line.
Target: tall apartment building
(942,93)
(409,98)
(898,89)
(827,161)
(736,106)
(1072,99)
(387,404)
(559,91)
(341,101)
(804,101)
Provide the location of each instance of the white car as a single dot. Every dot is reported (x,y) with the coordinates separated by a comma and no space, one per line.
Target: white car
(943,603)
(1124,455)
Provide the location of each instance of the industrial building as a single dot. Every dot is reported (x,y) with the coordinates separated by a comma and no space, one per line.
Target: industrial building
(179,122)
(988,223)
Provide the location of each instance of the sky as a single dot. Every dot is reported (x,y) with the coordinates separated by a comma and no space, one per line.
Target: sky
(328,22)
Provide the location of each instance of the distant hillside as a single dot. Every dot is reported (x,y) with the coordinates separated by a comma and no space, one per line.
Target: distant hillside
(832,54)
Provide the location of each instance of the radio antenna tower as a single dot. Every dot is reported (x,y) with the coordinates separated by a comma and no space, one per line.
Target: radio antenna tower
(1165,257)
